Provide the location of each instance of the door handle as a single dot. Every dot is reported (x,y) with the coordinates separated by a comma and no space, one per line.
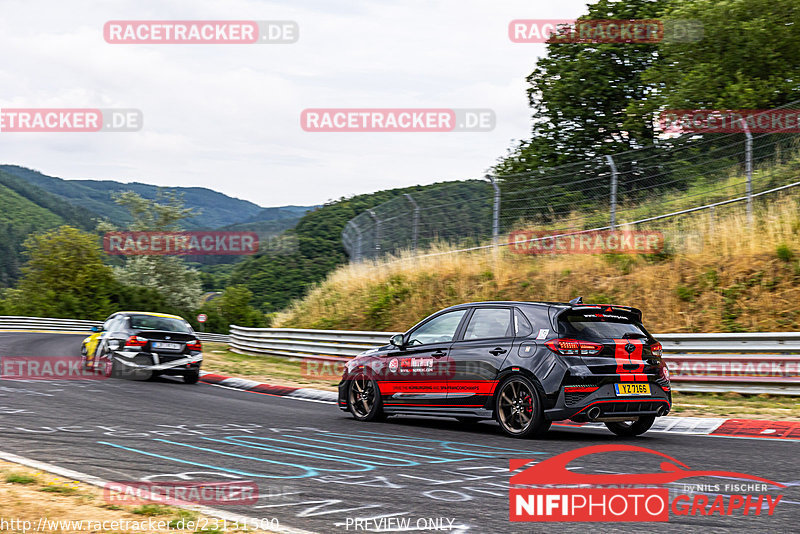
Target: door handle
(497,351)
(438,354)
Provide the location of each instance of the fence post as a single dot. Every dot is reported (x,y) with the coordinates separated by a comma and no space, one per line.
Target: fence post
(495,210)
(613,192)
(748,167)
(415,231)
(359,244)
(377,232)
(357,247)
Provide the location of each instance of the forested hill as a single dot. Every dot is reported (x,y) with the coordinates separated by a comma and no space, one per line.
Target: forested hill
(315,249)
(96,196)
(26,209)
(31,202)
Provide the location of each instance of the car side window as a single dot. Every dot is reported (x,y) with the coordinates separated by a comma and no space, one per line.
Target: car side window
(489,323)
(440,329)
(522,327)
(538,316)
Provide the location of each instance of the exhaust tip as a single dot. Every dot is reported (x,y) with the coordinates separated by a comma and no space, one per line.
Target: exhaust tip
(593,413)
(662,411)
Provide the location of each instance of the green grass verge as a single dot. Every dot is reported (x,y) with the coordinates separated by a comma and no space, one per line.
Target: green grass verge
(19,478)
(271,369)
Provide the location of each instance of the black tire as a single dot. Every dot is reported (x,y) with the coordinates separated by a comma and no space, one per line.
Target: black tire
(137,374)
(109,367)
(364,399)
(519,409)
(629,429)
(84,358)
(191,377)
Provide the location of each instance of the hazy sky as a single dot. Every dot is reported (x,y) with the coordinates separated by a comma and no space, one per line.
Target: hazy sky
(227,117)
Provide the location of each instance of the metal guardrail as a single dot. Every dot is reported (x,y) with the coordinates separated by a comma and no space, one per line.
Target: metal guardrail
(304,343)
(50,324)
(764,362)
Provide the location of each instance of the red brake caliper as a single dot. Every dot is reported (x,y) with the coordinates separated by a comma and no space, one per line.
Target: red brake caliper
(528,404)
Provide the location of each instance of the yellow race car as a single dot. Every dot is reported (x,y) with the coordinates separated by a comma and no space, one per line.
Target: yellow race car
(142,344)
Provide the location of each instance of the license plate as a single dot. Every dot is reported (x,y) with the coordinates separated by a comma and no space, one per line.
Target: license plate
(169,346)
(632,389)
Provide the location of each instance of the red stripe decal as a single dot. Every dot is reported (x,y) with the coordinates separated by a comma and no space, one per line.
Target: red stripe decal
(441,405)
(476,387)
(630,364)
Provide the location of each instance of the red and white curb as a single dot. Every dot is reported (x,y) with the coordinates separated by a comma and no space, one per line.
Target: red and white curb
(308,394)
(703,426)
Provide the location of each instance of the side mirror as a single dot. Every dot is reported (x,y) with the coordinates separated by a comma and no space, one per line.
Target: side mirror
(96,329)
(397,341)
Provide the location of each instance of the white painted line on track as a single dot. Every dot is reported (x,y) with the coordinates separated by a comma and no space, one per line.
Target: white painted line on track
(101,483)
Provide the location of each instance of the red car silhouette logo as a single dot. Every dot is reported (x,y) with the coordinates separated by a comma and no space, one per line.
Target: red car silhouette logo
(554,470)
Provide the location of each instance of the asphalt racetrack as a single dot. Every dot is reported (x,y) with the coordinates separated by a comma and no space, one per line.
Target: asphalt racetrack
(318,470)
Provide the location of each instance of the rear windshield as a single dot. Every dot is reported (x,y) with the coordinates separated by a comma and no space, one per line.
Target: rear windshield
(151,322)
(597,326)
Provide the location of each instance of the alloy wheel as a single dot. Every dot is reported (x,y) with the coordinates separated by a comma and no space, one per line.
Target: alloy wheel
(362,396)
(516,406)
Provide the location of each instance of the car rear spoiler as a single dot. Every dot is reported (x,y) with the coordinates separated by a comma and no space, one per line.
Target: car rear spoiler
(634,313)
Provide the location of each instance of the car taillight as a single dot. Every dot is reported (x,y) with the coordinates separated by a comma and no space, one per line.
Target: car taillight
(136,341)
(656,350)
(574,347)
(194,345)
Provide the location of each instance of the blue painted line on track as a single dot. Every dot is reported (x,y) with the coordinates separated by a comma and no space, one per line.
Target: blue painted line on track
(254,458)
(209,466)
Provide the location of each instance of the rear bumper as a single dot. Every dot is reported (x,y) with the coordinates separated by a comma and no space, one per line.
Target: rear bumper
(605,403)
(159,363)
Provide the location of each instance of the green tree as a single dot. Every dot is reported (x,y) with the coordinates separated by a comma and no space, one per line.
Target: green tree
(232,307)
(64,277)
(748,57)
(168,275)
(580,95)
(163,214)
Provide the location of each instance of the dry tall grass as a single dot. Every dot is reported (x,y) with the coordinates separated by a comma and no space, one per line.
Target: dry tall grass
(718,273)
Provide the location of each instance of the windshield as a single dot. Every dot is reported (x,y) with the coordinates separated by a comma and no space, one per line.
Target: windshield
(589,326)
(151,322)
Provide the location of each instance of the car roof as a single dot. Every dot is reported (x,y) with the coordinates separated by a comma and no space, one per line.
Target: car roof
(562,305)
(154,314)
(511,303)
